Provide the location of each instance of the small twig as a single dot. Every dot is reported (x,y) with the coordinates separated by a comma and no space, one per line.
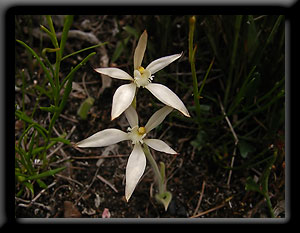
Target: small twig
(200,198)
(36,197)
(99,157)
(69,179)
(90,185)
(68,118)
(107,182)
(208,211)
(212,209)
(61,144)
(236,141)
(84,86)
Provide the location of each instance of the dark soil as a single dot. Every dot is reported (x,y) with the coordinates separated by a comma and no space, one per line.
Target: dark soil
(193,174)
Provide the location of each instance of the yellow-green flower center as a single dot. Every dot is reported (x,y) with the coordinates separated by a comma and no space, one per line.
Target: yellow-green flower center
(136,134)
(142,77)
(141,69)
(142,130)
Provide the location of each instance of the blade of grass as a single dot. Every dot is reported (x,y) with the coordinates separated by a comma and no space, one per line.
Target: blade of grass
(67,24)
(82,50)
(237,27)
(52,37)
(52,30)
(206,75)
(40,62)
(44,174)
(193,67)
(68,89)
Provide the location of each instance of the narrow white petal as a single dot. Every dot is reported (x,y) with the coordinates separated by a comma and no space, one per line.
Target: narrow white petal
(161,63)
(132,116)
(157,118)
(122,98)
(140,50)
(114,73)
(134,170)
(104,138)
(167,96)
(159,145)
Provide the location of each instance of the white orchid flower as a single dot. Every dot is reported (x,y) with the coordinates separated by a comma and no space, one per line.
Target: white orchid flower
(137,161)
(143,77)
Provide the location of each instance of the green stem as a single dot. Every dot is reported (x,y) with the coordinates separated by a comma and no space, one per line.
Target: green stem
(269,204)
(193,67)
(237,27)
(154,166)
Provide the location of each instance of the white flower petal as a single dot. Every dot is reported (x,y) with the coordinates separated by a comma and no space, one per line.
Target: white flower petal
(122,98)
(104,138)
(134,170)
(114,73)
(132,116)
(161,63)
(167,96)
(159,145)
(140,50)
(157,118)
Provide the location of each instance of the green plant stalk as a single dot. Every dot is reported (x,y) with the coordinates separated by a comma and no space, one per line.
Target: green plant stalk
(52,30)
(237,26)
(264,181)
(63,102)
(193,68)
(205,77)
(67,91)
(59,53)
(195,89)
(192,22)
(157,173)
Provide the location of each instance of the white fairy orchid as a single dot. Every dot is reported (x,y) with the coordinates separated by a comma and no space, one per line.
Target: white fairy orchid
(143,77)
(137,135)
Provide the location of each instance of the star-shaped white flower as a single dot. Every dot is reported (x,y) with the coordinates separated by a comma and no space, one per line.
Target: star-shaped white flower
(137,161)
(143,77)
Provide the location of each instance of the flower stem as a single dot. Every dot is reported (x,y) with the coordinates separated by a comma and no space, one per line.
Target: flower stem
(192,52)
(155,168)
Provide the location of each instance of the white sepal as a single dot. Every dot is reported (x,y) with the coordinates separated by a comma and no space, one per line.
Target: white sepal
(122,98)
(134,170)
(140,50)
(157,118)
(168,97)
(161,63)
(131,116)
(114,73)
(104,138)
(159,145)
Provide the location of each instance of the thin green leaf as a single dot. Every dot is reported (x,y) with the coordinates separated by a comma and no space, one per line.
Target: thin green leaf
(245,148)
(30,187)
(119,49)
(82,50)
(132,31)
(40,62)
(41,184)
(252,186)
(52,37)
(45,174)
(68,89)
(205,77)
(67,24)
(52,30)
(59,139)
